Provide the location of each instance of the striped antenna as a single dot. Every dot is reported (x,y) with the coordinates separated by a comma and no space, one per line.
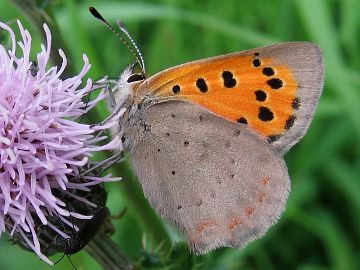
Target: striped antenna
(122,27)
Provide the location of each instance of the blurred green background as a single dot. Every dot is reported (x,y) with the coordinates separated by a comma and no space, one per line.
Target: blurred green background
(320,228)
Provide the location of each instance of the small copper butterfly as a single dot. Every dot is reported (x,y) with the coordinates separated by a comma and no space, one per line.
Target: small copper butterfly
(207,138)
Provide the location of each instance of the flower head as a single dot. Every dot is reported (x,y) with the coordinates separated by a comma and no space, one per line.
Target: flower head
(43,150)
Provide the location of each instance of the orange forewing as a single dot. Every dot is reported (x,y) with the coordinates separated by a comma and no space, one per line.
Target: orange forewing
(238,101)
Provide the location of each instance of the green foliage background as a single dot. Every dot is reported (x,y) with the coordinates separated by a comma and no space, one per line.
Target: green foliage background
(320,228)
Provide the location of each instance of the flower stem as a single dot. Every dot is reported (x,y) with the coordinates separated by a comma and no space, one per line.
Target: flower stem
(107,253)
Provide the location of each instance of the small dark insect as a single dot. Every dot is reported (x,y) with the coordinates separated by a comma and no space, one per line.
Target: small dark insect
(34,69)
(82,237)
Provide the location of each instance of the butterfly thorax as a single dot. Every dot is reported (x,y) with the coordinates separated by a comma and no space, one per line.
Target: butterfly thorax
(133,87)
(132,123)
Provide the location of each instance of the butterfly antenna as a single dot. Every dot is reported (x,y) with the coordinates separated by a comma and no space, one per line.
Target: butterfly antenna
(122,27)
(136,53)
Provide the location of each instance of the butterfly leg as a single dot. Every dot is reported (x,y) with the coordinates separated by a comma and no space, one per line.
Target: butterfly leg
(104,164)
(116,111)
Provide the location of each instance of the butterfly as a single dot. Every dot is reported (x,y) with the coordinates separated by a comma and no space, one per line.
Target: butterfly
(207,138)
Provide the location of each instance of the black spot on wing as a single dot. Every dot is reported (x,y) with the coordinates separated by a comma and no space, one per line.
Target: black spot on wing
(256,62)
(260,95)
(265,114)
(290,122)
(273,138)
(228,78)
(176,89)
(242,120)
(201,85)
(296,103)
(237,132)
(268,71)
(275,83)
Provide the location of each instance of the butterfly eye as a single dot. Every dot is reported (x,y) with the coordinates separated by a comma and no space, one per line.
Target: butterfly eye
(135,78)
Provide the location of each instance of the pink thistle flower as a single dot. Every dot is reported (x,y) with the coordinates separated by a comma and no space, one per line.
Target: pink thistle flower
(42,148)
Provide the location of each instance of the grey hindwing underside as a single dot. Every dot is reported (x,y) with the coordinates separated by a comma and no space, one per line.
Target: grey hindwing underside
(220,183)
